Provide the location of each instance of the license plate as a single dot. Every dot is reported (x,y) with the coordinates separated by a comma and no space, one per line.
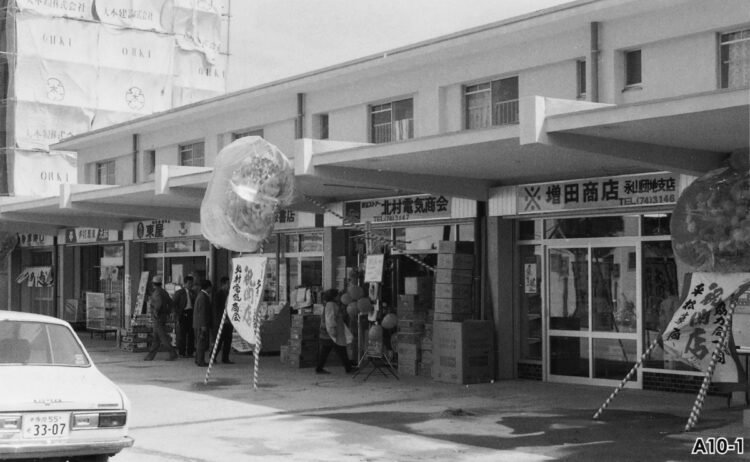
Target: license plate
(46,425)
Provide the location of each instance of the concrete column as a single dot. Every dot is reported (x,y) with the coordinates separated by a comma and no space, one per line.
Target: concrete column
(500,277)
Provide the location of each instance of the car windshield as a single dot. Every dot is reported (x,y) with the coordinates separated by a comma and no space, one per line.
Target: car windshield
(38,343)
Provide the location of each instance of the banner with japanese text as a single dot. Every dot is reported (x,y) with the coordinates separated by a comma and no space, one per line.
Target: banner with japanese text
(422,207)
(79,9)
(37,276)
(697,325)
(597,193)
(137,14)
(245,294)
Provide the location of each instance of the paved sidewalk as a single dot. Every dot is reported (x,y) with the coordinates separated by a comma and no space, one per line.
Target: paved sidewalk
(414,418)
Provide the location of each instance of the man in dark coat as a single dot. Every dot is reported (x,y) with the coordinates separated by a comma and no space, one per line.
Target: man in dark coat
(184,300)
(225,336)
(202,321)
(160,311)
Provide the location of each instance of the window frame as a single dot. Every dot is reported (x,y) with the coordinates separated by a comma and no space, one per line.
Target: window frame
(581,81)
(724,63)
(105,172)
(390,107)
(493,88)
(186,148)
(628,67)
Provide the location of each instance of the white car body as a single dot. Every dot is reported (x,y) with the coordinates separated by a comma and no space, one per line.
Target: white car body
(56,403)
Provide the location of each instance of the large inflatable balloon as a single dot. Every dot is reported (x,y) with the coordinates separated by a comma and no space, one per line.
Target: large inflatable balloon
(251,180)
(711,222)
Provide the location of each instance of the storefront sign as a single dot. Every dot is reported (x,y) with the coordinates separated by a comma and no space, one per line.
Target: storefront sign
(245,294)
(292,219)
(88,235)
(159,229)
(35,240)
(409,208)
(596,193)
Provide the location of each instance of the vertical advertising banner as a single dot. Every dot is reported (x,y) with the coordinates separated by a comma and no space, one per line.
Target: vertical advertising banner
(698,324)
(40,174)
(245,294)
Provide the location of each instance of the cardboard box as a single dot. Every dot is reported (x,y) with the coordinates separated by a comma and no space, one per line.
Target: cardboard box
(453,276)
(455,261)
(463,352)
(452,291)
(458,317)
(407,367)
(466,247)
(421,286)
(453,305)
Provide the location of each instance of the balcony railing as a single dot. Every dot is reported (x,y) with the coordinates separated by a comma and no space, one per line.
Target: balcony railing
(505,112)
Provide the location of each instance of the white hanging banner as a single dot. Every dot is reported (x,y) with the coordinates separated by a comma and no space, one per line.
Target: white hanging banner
(79,9)
(193,71)
(245,294)
(40,174)
(137,14)
(131,92)
(55,82)
(57,39)
(39,125)
(37,276)
(697,325)
(135,50)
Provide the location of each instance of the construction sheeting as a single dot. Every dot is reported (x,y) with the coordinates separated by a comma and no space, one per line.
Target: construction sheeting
(135,50)
(40,174)
(192,71)
(55,82)
(197,26)
(39,125)
(132,92)
(57,39)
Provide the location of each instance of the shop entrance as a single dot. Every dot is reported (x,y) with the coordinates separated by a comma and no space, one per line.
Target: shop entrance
(592,316)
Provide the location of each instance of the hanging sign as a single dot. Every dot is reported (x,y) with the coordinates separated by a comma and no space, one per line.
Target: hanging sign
(374,268)
(697,325)
(245,294)
(89,235)
(595,193)
(422,207)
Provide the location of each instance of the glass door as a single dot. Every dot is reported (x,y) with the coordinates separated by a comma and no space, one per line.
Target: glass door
(592,314)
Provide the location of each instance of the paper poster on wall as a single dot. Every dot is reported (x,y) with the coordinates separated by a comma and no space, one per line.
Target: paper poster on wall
(530,277)
(374,268)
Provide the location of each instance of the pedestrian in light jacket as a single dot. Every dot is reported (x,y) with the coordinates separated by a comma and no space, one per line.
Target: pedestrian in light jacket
(202,322)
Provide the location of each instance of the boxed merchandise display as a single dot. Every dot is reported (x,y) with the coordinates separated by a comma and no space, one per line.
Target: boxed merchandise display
(463,352)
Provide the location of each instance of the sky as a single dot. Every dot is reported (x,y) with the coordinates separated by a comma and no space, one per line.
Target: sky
(275,39)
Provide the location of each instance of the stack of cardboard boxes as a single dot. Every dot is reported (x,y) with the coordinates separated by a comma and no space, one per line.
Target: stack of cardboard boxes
(138,337)
(453,281)
(302,350)
(413,313)
(463,352)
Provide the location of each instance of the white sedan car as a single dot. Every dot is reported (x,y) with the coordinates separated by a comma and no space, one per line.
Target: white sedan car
(54,403)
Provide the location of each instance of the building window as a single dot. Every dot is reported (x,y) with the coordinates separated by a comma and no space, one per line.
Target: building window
(105,172)
(735,59)
(255,132)
(321,126)
(149,160)
(192,155)
(392,121)
(632,67)
(581,79)
(492,103)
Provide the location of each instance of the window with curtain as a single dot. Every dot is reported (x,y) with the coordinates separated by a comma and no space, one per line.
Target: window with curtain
(392,121)
(735,59)
(192,155)
(492,103)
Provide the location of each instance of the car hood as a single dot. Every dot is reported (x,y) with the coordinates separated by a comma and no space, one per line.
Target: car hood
(50,388)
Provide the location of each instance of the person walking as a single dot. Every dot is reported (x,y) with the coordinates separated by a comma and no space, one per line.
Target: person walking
(332,333)
(160,310)
(202,321)
(183,302)
(225,336)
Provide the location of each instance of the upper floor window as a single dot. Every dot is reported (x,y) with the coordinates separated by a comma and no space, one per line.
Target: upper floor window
(105,172)
(192,155)
(735,59)
(321,126)
(392,121)
(256,132)
(581,79)
(492,103)
(149,161)
(632,67)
